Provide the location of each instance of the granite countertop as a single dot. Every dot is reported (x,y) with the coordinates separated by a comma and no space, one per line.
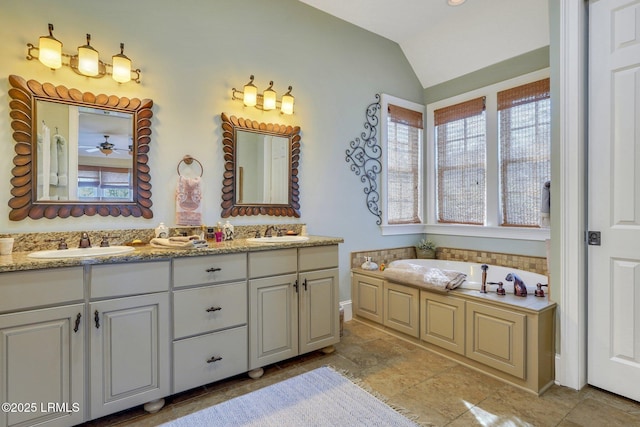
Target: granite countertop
(19,261)
(530,302)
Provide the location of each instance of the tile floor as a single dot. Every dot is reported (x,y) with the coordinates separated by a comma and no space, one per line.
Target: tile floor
(438,391)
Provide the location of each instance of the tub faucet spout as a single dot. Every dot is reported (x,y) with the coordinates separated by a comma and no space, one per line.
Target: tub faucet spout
(519,288)
(483,289)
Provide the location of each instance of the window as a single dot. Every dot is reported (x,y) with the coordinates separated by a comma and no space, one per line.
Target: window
(104,183)
(488,158)
(524,118)
(402,141)
(461,147)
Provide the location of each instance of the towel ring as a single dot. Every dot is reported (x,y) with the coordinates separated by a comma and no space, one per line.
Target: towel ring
(187,160)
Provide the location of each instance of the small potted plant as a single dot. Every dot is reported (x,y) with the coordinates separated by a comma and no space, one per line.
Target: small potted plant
(426,248)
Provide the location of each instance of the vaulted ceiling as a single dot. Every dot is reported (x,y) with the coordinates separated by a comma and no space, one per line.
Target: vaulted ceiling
(442,42)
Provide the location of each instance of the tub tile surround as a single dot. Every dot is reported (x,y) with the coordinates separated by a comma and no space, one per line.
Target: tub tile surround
(520,262)
(29,242)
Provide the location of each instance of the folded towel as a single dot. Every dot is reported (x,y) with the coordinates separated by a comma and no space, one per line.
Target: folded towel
(63,158)
(188,201)
(424,277)
(53,162)
(46,162)
(179,242)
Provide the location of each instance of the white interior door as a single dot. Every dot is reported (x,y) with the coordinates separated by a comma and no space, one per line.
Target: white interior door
(614,196)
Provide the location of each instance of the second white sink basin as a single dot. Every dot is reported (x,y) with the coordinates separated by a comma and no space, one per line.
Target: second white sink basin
(277,239)
(81,252)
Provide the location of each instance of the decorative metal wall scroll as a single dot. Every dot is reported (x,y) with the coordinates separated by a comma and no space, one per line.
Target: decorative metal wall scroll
(365,154)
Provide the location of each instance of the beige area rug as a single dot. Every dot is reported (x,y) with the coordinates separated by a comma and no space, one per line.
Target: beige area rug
(322,397)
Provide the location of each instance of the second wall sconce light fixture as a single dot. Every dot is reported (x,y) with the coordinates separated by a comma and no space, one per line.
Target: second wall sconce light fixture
(265,101)
(86,62)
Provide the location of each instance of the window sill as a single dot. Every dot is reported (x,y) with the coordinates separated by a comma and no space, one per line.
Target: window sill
(396,230)
(539,234)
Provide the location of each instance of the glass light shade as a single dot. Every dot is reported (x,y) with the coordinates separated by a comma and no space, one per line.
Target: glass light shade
(269,99)
(287,103)
(250,95)
(121,71)
(88,59)
(50,52)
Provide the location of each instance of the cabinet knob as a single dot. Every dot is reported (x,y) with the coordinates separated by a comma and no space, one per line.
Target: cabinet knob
(210,309)
(212,269)
(77,325)
(214,359)
(96,318)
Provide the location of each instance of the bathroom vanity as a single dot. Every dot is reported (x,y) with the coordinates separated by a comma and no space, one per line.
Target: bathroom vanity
(93,336)
(508,337)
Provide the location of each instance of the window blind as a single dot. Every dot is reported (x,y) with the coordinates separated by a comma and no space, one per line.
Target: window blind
(404,136)
(524,115)
(461,162)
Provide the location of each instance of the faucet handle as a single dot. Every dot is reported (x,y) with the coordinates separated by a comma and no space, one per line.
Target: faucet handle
(62,244)
(539,292)
(105,241)
(500,290)
(257,236)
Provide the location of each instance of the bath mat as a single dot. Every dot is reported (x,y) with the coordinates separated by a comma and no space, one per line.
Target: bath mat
(322,397)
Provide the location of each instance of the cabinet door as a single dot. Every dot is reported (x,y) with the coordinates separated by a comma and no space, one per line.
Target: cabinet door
(273,319)
(367,297)
(129,352)
(442,321)
(42,354)
(319,310)
(496,338)
(401,308)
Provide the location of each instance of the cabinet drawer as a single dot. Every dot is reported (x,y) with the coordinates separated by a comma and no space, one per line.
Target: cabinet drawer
(194,359)
(496,338)
(318,257)
(272,263)
(33,288)
(442,321)
(110,280)
(208,309)
(209,269)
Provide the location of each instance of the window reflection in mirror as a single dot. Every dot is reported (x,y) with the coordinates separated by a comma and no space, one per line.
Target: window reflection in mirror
(89,154)
(262,168)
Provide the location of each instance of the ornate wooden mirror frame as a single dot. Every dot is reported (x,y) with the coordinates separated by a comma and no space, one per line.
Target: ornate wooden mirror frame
(230,206)
(24,203)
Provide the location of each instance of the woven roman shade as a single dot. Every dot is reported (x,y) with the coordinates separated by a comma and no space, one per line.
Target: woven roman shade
(404,136)
(524,115)
(461,162)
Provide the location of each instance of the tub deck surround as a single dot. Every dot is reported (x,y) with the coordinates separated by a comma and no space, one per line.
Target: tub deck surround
(508,337)
(19,261)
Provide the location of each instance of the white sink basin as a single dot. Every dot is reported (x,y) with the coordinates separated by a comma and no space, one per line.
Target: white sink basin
(81,252)
(276,239)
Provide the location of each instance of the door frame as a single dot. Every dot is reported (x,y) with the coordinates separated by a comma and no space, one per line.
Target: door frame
(569,202)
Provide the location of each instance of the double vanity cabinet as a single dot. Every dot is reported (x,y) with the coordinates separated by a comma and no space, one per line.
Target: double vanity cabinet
(508,337)
(82,341)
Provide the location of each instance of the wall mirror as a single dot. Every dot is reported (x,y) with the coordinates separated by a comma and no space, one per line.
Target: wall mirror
(78,153)
(261,168)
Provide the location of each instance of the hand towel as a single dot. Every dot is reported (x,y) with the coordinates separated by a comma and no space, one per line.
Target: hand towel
(179,242)
(53,162)
(545,205)
(189,201)
(63,158)
(46,161)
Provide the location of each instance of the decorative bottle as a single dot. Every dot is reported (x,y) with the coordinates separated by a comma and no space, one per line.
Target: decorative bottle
(162,231)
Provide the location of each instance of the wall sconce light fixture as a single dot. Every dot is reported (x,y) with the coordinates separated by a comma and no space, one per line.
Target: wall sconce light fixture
(86,62)
(265,101)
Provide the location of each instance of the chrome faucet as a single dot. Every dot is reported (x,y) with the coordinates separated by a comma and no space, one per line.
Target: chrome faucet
(84,241)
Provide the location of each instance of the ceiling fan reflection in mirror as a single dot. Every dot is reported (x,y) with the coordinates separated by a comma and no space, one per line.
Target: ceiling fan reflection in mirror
(105,148)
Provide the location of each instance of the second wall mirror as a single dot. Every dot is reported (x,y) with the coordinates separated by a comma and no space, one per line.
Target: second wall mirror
(261,168)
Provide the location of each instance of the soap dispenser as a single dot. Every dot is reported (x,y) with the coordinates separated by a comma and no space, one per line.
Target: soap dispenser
(162,231)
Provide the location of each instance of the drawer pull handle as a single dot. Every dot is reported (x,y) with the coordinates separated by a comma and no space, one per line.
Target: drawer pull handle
(213,269)
(77,325)
(295,285)
(96,318)
(305,284)
(214,359)
(210,309)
